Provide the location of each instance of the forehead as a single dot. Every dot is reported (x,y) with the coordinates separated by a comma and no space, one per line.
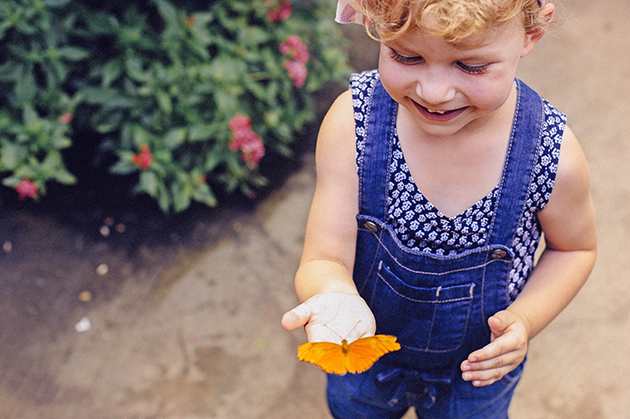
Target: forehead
(497,35)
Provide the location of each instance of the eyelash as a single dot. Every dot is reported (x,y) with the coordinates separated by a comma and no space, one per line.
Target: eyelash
(468,69)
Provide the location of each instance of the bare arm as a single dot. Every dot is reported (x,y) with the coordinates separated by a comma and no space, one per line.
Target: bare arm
(568,222)
(324,279)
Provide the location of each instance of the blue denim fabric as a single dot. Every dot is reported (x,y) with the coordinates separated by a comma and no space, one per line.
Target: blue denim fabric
(438,307)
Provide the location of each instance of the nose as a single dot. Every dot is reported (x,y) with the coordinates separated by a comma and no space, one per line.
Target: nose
(435,86)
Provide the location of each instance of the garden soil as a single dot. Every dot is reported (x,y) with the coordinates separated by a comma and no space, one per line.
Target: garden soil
(129,314)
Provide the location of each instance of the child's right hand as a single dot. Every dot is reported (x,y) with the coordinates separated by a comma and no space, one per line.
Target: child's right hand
(331,317)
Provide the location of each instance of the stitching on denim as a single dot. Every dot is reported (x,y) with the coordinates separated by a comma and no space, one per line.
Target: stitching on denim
(452,300)
(413,252)
(485,249)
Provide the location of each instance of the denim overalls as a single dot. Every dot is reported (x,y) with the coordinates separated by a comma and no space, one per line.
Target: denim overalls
(437,306)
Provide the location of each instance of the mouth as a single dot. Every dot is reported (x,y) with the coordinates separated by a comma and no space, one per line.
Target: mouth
(438,114)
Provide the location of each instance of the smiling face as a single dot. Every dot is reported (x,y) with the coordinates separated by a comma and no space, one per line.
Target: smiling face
(446,89)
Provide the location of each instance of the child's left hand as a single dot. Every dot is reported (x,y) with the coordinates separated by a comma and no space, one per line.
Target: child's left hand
(506,351)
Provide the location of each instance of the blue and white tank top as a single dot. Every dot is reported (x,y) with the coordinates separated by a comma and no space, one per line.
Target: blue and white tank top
(419,225)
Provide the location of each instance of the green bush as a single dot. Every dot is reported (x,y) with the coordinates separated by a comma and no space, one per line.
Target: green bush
(190,98)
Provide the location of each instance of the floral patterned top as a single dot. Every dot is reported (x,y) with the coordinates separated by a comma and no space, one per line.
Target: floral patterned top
(419,225)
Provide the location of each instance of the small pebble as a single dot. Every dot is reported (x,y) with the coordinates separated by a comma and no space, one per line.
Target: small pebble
(85,296)
(104,230)
(102,269)
(83,326)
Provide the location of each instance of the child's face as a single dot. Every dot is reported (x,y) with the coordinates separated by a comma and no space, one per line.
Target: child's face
(446,89)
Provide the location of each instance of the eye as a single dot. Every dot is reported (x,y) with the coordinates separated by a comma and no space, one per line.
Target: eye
(404,59)
(473,69)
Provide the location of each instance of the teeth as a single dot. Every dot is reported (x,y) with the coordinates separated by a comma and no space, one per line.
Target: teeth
(437,112)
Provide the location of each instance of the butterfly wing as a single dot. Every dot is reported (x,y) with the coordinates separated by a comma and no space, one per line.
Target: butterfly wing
(355,357)
(363,353)
(326,355)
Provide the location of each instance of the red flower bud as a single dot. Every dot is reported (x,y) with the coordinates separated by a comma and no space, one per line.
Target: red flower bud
(189,21)
(143,159)
(280,13)
(26,189)
(66,118)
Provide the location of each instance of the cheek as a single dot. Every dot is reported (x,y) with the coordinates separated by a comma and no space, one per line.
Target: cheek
(394,80)
(491,96)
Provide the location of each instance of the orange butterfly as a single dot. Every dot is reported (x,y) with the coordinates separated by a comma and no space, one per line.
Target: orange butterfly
(354,357)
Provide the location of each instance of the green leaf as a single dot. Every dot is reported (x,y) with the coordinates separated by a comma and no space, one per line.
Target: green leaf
(25,88)
(29,115)
(254,35)
(57,3)
(212,159)
(51,163)
(111,71)
(200,132)
(225,101)
(11,181)
(203,194)
(11,155)
(123,168)
(65,177)
(258,90)
(61,141)
(100,96)
(136,72)
(167,12)
(11,71)
(141,136)
(225,69)
(164,101)
(182,192)
(149,183)
(73,53)
(174,138)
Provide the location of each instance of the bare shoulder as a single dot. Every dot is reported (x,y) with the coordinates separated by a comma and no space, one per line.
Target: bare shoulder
(336,145)
(337,128)
(569,218)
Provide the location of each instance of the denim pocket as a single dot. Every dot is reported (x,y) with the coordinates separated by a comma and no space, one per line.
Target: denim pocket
(432,319)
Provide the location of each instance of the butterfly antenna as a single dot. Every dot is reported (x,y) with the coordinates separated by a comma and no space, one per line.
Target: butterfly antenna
(341,337)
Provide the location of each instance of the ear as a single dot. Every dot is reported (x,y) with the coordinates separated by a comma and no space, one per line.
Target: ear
(532,37)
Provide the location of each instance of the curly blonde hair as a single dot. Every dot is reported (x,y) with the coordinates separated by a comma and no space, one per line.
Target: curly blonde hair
(452,20)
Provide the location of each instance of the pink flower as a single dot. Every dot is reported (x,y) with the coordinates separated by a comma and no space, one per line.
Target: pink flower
(66,118)
(143,159)
(297,49)
(240,125)
(246,140)
(296,66)
(26,189)
(297,72)
(280,13)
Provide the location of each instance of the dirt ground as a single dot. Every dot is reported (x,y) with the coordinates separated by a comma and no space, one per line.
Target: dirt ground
(132,315)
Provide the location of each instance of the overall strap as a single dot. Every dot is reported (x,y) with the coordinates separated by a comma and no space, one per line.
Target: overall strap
(519,165)
(374,166)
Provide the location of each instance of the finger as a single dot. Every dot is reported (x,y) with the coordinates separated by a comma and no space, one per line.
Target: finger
(509,342)
(510,358)
(490,351)
(497,324)
(296,318)
(500,322)
(487,377)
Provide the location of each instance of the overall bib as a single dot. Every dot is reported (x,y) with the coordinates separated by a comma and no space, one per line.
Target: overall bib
(437,306)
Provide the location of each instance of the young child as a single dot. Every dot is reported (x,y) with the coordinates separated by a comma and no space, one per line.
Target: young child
(436,176)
